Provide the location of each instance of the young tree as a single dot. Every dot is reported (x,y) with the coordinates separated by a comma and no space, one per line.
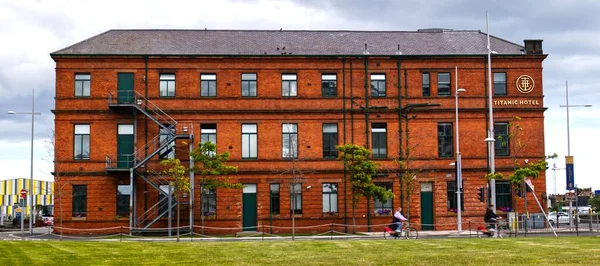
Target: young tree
(361,170)
(60,180)
(595,203)
(408,179)
(520,173)
(211,165)
(181,182)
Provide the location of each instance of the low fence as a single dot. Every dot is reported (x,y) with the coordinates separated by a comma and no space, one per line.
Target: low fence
(519,227)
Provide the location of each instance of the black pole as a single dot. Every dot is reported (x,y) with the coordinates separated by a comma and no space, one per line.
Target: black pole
(345,168)
(400,132)
(367,132)
(351,105)
(270,210)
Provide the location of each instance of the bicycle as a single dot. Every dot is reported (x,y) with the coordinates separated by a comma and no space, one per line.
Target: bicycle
(500,228)
(407,232)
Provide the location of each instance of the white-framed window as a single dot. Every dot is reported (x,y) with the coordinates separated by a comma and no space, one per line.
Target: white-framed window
(330,140)
(167,85)
(330,198)
(377,85)
(296,198)
(289,85)
(81,145)
(379,133)
(166,135)
(384,207)
(443,84)
(289,141)
(208,85)
(82,84)
(500,84)
(328,85)
(249,85)
(208,133)
(249,141)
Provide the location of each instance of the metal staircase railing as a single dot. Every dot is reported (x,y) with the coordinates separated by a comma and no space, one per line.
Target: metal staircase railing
(160,209)
(142,104)
(142,155)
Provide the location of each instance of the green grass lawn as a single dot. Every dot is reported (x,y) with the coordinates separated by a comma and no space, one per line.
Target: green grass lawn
(513,251)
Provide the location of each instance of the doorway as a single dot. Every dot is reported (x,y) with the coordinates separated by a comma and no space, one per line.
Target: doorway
(427,206)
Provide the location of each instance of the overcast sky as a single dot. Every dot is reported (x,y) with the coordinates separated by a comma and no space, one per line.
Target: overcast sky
(30,30)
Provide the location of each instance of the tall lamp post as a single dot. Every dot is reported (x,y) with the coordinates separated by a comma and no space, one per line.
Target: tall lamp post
(33,114)
(458,156)
(568,158)
(490,139)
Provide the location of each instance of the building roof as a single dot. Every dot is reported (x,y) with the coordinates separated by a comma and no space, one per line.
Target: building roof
(286,42)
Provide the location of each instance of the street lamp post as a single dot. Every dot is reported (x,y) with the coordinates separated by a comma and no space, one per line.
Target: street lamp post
(33,114)
(569,145)
(490,139)
(458,156)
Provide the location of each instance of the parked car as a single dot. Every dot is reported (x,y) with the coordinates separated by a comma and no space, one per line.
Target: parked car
(48,221)
(561,217)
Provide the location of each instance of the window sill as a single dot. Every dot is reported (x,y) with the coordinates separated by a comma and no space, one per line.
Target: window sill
(78,218)
(382,215)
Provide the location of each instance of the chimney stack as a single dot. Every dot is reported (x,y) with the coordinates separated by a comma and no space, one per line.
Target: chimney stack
(533,46)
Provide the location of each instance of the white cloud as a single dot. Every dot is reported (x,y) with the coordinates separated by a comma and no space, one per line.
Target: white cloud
(31,29)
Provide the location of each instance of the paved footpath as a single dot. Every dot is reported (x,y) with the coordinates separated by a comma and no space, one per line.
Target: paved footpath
(45,234)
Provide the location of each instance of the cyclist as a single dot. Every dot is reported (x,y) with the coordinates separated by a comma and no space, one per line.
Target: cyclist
(491,218)
(398,219)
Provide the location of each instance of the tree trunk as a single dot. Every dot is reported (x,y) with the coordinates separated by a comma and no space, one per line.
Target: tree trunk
(178,209)
(61,215)
(353,214)
(202,207)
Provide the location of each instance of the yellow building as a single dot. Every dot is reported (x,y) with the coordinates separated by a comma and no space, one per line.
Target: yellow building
(10,190)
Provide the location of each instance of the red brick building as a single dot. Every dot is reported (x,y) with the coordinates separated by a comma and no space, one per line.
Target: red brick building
(279,101)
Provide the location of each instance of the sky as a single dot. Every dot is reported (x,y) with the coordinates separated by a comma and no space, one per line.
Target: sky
(31,29)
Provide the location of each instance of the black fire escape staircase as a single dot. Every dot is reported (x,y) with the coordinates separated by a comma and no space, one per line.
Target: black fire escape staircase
(138,161)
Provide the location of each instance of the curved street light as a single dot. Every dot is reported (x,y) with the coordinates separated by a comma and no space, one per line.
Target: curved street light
(33,114)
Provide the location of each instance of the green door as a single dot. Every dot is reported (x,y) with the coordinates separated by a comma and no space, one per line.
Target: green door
(249,207)
(125,146)
(125,87)
(427,206)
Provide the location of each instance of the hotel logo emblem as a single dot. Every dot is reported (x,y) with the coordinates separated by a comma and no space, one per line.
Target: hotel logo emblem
(525,84)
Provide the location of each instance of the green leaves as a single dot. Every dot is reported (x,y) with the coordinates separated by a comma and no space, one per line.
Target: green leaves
(178,173)
(595,202)
(356,158)
(208,163)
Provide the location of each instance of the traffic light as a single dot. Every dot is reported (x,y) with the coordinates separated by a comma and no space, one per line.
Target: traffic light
(481,194)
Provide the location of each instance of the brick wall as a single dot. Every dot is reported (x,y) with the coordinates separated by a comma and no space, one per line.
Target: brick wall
(309,110)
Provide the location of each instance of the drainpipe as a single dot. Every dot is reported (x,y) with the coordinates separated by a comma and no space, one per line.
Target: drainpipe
(351,105)
(145,132)
(133,207)
(367,131)
(192,182)
(344,126)
(400,132)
